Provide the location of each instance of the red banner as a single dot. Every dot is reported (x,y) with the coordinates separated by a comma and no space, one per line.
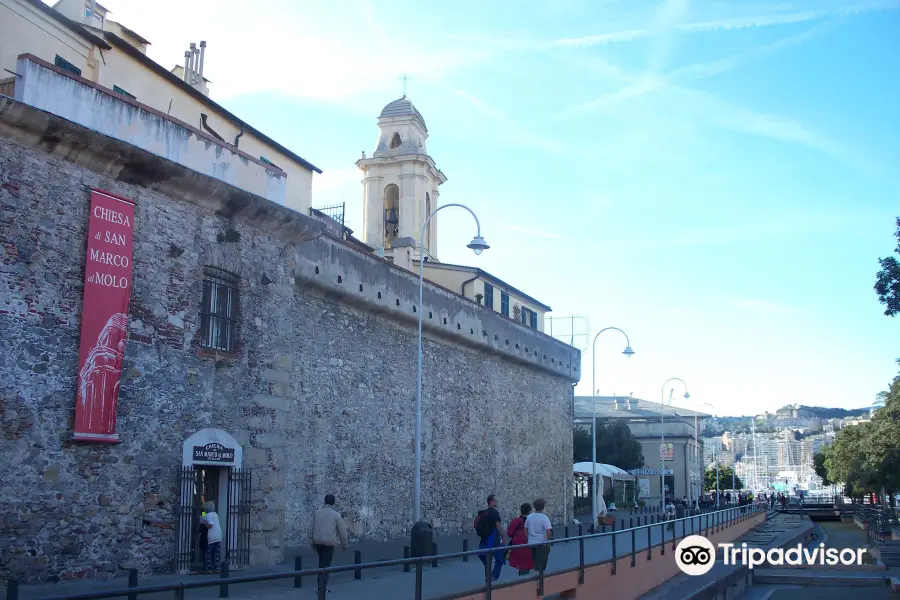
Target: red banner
(104,317)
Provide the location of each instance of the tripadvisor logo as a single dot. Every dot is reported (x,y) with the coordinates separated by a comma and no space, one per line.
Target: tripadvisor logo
(696,555)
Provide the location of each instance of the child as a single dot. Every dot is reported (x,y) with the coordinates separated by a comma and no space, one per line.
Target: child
(213,538)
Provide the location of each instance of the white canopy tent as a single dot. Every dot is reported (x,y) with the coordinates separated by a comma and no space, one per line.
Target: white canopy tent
(611,472)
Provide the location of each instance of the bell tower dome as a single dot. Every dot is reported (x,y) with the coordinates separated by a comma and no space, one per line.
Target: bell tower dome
(400,186)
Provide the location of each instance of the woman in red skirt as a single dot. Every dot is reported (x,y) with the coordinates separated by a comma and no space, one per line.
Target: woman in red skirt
(520,558)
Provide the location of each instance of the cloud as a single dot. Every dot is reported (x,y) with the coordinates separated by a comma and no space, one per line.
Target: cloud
(533,232)
(764,307)
(641,85)
(765,19)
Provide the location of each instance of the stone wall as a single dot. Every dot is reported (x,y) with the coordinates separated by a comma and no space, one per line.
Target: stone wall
(320,392)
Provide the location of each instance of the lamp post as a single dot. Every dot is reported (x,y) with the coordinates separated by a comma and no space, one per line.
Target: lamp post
(627,352)
(478,245)
(662,440)
(696,433)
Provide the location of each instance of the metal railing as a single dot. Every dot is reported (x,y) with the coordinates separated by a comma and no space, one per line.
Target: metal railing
(706,523)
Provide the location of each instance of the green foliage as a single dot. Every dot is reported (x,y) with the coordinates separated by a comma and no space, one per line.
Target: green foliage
(615,446)
(819,466)
(866,457)
(887,281)
(709,479)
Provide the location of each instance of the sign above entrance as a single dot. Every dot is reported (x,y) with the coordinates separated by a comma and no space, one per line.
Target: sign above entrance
(213,447)
(214,452)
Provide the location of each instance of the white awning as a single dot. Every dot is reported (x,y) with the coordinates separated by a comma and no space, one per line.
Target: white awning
(611,471)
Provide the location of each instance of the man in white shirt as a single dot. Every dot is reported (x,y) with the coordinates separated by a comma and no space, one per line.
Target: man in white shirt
(539,531)
(213,538)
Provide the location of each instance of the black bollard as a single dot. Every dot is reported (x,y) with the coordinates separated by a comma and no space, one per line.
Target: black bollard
(602,527)
(434,554)
(223,587)
(406,555)
(579,530)
(567,532)
(132,582)
(630,522)
(357,560)
(298,566)
(465,549)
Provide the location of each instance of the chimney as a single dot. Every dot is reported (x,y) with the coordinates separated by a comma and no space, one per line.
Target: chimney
(187,64)
(615,403)
(195,63)
(202,52)
(628,403)
(190,78)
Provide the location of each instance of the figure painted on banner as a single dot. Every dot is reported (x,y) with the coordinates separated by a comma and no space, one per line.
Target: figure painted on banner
(520,558)
(213,538)
(100,375)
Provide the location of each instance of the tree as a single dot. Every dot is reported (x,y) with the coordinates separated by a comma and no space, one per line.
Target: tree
(725,472)
(819,466)
(887,281)
(615,446)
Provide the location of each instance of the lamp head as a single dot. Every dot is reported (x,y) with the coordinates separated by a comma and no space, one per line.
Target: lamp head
(687,396)
(478,245)
(628,351)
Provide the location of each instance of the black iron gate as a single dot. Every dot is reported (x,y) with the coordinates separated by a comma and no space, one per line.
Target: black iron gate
(184,536)
(198,485)
(238,536)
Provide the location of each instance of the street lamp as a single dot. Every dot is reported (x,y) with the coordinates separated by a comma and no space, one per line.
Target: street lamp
(696,435)
(662,440)
(478,245)
(627,352)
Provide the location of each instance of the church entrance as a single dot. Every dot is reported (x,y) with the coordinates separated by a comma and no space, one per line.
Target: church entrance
(211,472)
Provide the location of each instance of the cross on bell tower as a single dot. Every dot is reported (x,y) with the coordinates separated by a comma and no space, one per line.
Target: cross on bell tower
(404,79)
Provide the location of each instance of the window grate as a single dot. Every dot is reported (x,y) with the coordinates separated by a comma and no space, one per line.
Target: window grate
(64,64)
(119,90)
(218,310)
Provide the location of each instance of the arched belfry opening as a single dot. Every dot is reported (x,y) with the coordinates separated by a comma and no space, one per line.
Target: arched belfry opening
(395,141)
(391,214)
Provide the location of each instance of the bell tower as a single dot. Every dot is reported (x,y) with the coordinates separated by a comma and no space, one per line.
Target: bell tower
(400,186)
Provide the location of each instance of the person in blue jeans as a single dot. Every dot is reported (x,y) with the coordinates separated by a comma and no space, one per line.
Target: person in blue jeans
(490,529)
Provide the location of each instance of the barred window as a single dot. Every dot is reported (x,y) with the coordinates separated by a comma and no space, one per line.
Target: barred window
(218,310)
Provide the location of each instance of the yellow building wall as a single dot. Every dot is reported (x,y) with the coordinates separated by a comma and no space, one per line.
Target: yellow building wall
(454,280)
(24,28)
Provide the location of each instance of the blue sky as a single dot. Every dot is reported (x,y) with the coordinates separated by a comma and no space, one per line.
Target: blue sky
(716,178)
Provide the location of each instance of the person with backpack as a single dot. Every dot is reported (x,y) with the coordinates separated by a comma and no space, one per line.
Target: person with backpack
(488,526)
(520,558)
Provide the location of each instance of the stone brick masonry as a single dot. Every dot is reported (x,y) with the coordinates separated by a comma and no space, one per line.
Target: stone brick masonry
(319,393)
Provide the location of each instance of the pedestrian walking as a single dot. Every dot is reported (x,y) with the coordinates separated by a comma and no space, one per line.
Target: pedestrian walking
(489,528)
(540,530)
(328,532)
(520,558)
(213,538)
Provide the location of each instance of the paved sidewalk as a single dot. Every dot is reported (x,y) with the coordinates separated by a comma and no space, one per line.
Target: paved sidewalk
(389,582)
